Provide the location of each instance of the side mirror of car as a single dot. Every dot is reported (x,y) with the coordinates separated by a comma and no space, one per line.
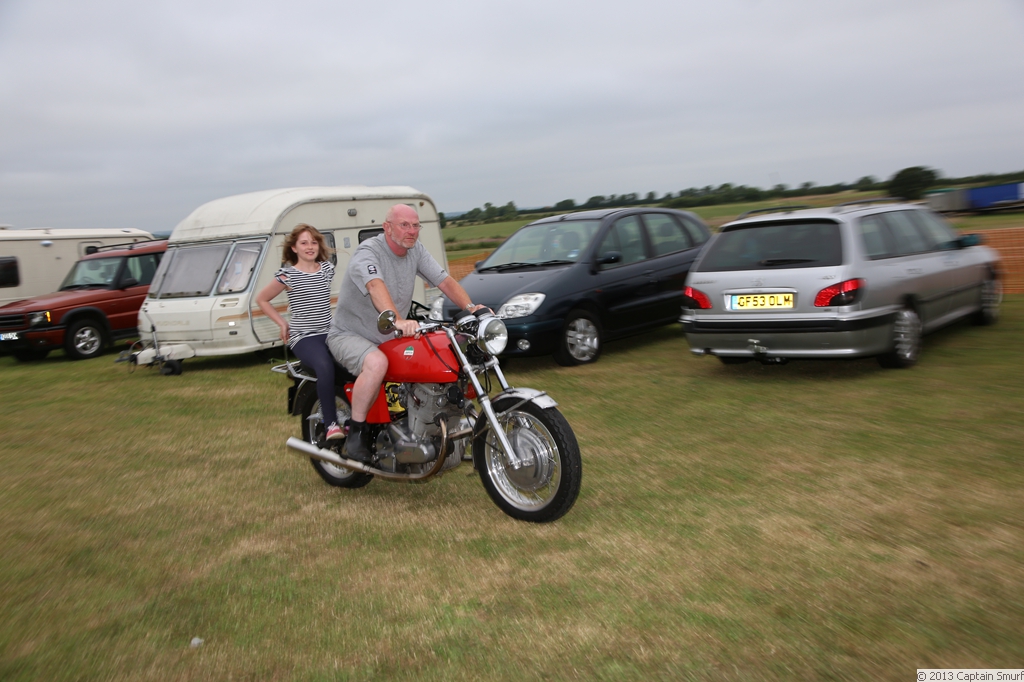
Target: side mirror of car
(128,282)
(609,258)
(970,240)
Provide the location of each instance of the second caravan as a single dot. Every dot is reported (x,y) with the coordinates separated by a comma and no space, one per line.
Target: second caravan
(203,297)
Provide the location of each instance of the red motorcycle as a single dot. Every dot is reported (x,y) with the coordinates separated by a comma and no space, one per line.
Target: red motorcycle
(434,412)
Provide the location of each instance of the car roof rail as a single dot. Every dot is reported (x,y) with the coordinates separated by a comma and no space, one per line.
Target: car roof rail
(773,209)
(863,202)
(127,245)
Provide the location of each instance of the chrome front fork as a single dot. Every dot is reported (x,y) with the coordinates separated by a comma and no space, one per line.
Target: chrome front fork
(485,402)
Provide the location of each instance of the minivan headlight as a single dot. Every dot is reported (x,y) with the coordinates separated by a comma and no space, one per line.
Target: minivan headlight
(520,305)
(40,318)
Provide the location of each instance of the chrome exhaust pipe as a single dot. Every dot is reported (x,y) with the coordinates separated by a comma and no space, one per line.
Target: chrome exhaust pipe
(304,449)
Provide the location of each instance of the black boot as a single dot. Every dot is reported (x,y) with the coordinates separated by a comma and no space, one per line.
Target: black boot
(357,444)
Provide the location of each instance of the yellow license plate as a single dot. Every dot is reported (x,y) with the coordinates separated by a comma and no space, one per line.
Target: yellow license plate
(761,301)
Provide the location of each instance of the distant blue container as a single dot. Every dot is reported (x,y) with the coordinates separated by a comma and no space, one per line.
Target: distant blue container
(981,198)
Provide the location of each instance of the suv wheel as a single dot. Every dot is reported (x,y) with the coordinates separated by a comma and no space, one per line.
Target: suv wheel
(906,340)
(84,339)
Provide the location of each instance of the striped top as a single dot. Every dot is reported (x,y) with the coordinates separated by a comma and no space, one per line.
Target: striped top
(309,300)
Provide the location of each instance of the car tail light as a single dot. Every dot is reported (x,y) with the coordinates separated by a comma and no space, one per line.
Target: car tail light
(843,293)
(698,297)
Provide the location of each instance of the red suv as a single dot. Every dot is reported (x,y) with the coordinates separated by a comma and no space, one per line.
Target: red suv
(97,303)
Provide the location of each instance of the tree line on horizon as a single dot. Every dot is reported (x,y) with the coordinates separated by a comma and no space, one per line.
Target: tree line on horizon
(910,183)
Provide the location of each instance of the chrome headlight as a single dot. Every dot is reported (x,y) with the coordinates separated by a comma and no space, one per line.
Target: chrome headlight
(36,319)
(491,336)
(520,305)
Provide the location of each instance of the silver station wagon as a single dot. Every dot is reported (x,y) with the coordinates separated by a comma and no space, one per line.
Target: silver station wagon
(855,280)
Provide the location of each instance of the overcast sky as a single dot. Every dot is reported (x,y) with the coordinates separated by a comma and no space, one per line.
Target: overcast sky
(131,114)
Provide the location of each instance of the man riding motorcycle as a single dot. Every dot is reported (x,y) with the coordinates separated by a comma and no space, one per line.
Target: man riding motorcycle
(380,277)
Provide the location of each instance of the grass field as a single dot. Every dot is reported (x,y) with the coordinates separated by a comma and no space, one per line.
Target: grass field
(818,520)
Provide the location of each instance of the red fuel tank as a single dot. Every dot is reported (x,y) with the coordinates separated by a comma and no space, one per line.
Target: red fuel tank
(427,359)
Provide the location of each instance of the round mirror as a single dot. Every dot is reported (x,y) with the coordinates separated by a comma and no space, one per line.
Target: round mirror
(386,321)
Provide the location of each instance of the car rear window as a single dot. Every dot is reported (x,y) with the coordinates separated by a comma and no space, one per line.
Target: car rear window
(771,246)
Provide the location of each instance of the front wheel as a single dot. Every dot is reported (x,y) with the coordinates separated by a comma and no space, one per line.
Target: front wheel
(546,487)
(313,431)
(580,343)
(84,339)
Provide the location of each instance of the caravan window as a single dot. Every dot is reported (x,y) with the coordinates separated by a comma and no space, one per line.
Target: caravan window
(239,268)
(188,271)
(329,239)
(369,233)
(9,272)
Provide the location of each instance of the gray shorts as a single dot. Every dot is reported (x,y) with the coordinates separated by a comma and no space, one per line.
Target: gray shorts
(350,350)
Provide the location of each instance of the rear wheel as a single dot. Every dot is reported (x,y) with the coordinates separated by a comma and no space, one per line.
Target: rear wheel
(991,297)
(314,431)
(581,339)
(546,487)
(906,340)
(84,339)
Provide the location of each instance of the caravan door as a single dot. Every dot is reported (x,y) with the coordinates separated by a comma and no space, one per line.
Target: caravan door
(231,315)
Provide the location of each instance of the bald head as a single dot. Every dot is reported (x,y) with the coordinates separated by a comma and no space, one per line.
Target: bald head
(401,228)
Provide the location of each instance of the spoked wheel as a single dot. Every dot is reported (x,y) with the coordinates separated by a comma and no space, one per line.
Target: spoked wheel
(314,431)
(546,487)
(906,340)
(991,297)
(581,339)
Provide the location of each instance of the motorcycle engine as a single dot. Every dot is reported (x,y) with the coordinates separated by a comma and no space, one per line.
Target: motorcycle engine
(414,439)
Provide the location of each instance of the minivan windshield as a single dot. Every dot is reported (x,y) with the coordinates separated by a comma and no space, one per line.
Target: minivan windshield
(188,271)
(95,272)
(550,243)
(771,246)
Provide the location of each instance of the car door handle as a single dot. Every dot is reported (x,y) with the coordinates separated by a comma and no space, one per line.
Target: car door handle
(914,271)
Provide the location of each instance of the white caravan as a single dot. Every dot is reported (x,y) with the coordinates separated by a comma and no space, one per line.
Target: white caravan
(203,297)
(35,261)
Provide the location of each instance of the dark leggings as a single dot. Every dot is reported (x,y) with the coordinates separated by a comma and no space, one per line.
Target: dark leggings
(312,350)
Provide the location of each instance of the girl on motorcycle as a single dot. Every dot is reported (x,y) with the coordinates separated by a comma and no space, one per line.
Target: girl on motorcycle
(306,275)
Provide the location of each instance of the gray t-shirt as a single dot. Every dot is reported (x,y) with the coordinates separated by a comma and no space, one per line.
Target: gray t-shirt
(374,259)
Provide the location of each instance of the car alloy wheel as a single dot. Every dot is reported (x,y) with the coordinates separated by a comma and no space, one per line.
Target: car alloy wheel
(581,340)
(84,340)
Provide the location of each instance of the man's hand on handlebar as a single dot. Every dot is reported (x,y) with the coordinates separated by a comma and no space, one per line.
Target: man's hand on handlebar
(407,327)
